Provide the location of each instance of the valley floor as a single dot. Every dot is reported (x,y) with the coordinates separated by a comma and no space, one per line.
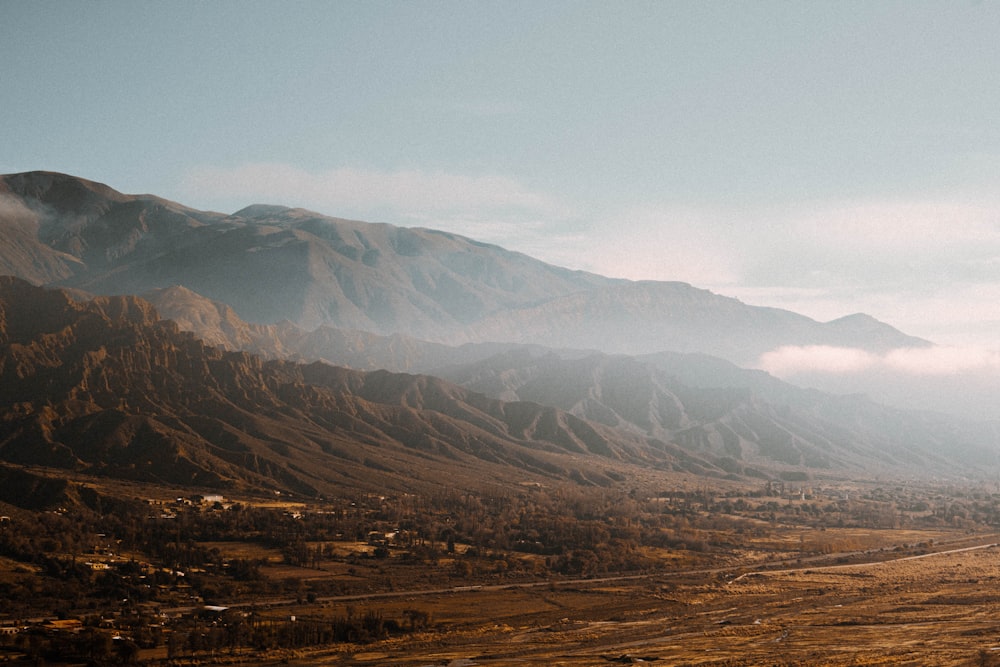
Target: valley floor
(939,608)
(833,574)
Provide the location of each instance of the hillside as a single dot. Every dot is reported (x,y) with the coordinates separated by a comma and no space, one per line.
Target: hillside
(107,388)
(218,324)
(316,270)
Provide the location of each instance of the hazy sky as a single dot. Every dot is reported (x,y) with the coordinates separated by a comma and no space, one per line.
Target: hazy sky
(828,157)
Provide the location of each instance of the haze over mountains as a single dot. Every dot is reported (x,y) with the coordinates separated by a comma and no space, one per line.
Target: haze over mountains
(529,361)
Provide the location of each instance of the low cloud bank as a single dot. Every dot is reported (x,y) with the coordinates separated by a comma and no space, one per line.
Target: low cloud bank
(789,361)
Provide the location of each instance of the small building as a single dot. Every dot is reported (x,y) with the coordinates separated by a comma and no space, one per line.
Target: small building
(212,612)
(73,625)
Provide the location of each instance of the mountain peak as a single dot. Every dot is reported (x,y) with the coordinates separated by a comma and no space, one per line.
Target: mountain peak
(255,211)
(855,318)
(886,336)
(61,192)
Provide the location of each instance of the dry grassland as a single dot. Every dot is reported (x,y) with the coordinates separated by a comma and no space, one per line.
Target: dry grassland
(941,609)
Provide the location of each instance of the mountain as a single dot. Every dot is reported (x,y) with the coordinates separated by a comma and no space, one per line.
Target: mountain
(217,324)
(273,264)
(105,387)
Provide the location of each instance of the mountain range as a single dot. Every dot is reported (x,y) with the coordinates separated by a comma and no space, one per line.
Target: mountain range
(271,263)
(106,387)
(309,354)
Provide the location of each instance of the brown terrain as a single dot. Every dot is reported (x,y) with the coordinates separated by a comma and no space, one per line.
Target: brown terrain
(937,609)
(732,574)
(106,387)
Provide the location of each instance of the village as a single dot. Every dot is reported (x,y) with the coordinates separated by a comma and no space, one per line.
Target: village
(195,575)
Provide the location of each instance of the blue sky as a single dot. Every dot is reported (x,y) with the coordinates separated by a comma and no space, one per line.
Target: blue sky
(828,157)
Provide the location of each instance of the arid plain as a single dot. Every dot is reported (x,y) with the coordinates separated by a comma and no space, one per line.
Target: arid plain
(934,608)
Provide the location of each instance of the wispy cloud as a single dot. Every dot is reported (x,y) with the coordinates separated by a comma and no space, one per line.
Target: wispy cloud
(831,252)
(791,360)
(887,244)
(12,208)
(412,194)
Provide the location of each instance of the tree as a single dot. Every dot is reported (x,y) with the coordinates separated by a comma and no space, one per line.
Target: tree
(127,651)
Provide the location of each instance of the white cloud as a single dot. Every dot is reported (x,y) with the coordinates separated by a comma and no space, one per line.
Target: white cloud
(902,225)
(889,244)
(821,255)
(789,361)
